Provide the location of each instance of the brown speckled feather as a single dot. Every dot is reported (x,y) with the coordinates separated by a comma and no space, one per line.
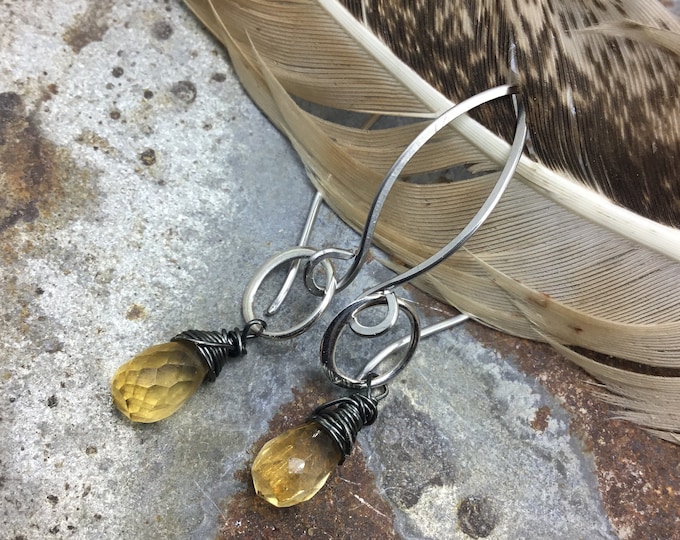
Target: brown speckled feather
(558,260)
(604,109)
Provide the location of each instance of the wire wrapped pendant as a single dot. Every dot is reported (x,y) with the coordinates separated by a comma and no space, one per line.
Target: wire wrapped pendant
(159,380)
(156,382)
(293,467)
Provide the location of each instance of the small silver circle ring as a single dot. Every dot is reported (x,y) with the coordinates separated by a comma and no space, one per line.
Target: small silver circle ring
(342,321)
(292,254)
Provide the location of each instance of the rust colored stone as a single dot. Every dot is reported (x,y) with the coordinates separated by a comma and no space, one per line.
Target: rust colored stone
(135,312)
(89,26)
(348,507)
(26,160)
(40,181)
(540,421)
(638,474)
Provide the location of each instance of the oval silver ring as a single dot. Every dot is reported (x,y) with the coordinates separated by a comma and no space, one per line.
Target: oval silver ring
(341,322)
(247,305)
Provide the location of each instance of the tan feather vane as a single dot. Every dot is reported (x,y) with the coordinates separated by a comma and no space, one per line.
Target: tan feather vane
(583,251)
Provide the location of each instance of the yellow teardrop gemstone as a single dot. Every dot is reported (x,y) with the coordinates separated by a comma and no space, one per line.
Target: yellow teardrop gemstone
(155,383)
(294,466)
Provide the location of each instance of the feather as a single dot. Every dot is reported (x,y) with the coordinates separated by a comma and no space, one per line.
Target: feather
(583,251)
(664,39)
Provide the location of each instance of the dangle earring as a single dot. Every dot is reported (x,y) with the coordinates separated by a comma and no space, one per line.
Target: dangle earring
(158,381)
(155,383)
(294,466)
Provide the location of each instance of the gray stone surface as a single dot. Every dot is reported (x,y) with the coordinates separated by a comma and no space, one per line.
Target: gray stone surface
(112,248)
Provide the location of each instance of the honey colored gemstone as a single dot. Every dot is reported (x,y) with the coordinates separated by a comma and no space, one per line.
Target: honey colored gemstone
(155,383)
(294,466)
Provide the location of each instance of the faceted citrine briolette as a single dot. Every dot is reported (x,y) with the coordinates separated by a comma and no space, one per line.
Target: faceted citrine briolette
(155,383)
(294,466)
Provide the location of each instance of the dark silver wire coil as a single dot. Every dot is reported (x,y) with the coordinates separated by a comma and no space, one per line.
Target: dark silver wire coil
(216,346)
(343,418)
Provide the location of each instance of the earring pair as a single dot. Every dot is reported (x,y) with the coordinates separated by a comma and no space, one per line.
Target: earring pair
(158,381)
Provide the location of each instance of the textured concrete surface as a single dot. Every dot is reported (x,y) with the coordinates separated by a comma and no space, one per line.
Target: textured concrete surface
(140,190)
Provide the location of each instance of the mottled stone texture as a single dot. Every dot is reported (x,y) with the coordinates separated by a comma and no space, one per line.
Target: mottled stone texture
(141,190)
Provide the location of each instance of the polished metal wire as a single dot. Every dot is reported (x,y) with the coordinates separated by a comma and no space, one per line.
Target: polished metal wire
(381,294)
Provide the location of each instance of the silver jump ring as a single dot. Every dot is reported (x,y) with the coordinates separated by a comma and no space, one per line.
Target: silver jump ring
(343,320)
(292,254)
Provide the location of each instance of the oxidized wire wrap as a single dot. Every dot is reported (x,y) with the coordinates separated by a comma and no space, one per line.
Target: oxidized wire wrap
(215,347)
(343,418)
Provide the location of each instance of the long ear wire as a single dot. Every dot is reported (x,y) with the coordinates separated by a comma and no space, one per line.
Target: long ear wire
(559,260)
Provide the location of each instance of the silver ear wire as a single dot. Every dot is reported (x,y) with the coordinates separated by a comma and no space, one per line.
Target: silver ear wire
(484,211)
(323,257)
(372,365)
(439,123)
(295,265)
(383,293)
